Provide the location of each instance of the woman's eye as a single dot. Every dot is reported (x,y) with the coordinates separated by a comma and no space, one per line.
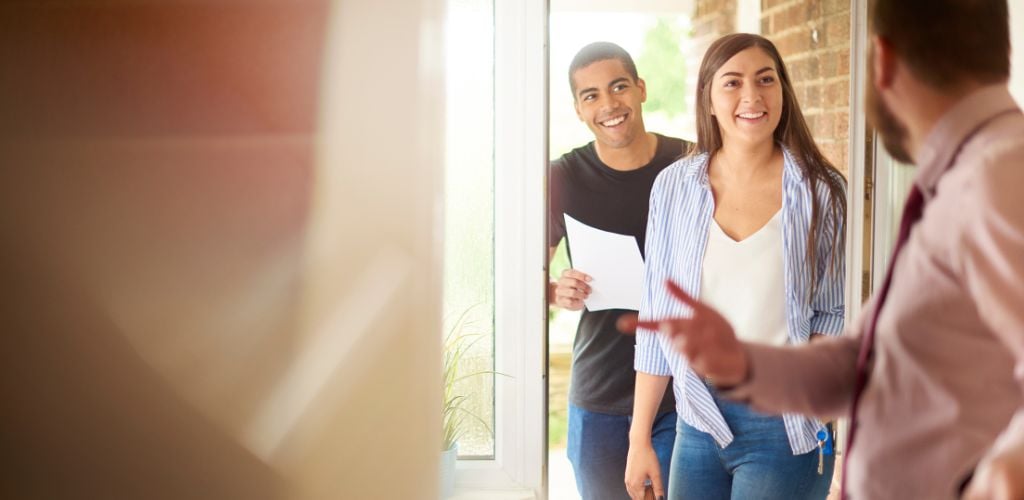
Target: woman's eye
(731,83)
(768,80)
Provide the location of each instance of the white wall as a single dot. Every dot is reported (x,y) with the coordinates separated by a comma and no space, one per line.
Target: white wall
(219,251)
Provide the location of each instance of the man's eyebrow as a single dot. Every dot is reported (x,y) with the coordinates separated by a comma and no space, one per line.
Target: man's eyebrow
(762,70)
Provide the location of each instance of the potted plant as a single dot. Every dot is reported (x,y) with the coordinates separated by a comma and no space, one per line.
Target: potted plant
(455,417)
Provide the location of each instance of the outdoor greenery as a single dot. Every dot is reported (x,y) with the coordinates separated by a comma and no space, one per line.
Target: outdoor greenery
(662,65)
(456,417)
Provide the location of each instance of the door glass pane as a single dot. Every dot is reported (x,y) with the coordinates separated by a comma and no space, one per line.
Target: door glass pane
(469,218)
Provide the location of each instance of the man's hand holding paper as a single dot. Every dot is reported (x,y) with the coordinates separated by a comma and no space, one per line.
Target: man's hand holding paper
(612,262)
(571,290)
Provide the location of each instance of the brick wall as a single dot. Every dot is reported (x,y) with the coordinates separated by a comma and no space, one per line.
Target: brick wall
(814,39)
(711,19)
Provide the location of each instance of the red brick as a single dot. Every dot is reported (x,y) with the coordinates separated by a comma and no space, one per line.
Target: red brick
(837,94)
(800,92)
(829,62)
(844,93)
(811,118)
(781,20)
(811,68)
(826,125)
(842,131)
(826,148)
(838,28)
(793,44)
(777,23)
(842,160)
(835,6)
(813,9)
(794,16)
(843,63)
(813,96)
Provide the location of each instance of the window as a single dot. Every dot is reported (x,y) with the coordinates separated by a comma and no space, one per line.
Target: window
(469,214)
(495,260)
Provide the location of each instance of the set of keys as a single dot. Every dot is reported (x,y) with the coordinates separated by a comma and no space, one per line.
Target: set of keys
(824,448)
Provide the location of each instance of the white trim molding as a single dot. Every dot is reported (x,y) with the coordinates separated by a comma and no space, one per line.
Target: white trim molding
(520,256)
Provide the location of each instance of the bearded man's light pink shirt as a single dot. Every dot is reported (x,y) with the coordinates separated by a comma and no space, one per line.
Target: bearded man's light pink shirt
(942,388)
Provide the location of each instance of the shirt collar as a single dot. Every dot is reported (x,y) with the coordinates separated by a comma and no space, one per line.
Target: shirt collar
(697,169)
(954,128)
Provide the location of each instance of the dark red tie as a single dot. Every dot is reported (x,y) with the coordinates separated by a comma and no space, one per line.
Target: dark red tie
(912,211)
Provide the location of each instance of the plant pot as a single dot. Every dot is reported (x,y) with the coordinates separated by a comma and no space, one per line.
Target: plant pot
(447,467)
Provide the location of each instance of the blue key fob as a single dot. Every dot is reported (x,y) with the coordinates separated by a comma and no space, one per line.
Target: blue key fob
(826,436)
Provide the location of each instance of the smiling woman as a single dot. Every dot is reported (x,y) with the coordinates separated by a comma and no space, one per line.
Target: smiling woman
(757,209)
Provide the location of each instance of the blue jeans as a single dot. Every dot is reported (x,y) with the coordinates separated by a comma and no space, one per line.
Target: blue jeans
(757,465)
(597,448)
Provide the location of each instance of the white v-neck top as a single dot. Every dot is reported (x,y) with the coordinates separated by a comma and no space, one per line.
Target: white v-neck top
(744,281)
(682,208)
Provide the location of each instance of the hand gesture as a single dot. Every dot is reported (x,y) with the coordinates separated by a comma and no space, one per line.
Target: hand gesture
(706,339)
(999,478)
(571,290)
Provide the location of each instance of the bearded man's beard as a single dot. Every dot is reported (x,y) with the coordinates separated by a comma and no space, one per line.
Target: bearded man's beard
(893,133)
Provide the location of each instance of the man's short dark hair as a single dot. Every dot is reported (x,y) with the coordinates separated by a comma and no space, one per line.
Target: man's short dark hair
(947,42)
(600,51)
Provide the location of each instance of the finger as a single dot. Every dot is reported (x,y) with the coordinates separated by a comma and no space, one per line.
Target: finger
(680,294)
(659,490)
(649,325)
(634,494)
(672,328)
(574,284)
(572,293)
(627,323)
(572,273)
(569,303)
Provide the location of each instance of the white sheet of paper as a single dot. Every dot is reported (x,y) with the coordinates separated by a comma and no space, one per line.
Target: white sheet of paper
(613,262)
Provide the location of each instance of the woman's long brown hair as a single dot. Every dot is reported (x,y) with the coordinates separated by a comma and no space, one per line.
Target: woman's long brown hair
(792,132)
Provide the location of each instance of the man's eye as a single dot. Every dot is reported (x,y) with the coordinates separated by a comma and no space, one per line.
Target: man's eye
(588,97)
(619,88)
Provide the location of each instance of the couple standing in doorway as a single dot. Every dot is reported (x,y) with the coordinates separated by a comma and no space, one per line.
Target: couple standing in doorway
(742,305)
(750,219)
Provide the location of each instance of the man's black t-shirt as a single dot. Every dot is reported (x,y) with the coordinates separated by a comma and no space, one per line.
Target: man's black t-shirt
(616,201)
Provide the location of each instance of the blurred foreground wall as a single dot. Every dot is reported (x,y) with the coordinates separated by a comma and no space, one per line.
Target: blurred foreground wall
(218,269)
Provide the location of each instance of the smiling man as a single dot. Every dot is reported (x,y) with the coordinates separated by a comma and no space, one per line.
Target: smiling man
(606,184)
